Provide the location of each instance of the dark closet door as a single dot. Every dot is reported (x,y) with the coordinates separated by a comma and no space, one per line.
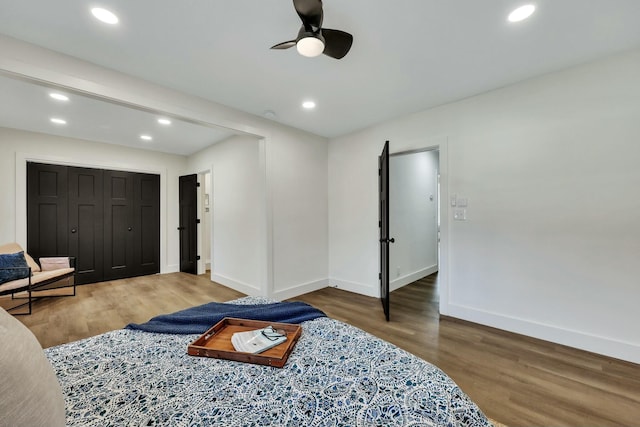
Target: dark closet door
(109,220)
(118,224)
(188,195)
(86,219)
(146,223)
(47,231)
(131,225)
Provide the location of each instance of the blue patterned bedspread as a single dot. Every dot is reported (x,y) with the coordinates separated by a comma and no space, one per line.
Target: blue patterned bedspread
(337,375)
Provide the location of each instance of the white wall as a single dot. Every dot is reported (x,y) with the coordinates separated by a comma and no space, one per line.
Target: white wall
(353,213)
(413,217)
(550,170)
(236,210)
(18,147)
(297,185)
(269,215)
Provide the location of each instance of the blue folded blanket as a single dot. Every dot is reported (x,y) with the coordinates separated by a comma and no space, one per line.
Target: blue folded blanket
(196,320)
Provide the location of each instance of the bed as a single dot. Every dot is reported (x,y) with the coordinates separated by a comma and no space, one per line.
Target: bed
(337,375)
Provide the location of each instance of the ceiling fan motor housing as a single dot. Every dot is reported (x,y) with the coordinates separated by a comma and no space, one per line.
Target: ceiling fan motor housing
(310,43)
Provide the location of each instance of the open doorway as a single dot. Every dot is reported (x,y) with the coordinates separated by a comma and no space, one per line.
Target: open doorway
(414,220)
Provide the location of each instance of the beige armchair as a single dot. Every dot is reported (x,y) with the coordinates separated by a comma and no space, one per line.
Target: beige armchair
(51,273)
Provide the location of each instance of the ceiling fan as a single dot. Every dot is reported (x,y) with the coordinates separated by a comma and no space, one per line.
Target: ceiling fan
(312,39)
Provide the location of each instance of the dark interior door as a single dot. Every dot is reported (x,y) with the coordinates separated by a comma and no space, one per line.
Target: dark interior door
(85,221)
(47,206)
(383,181)
(118,224)
(146,224)
(188,195)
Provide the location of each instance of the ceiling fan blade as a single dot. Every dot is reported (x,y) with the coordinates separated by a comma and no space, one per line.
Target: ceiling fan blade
(284,45)
(310,11)
(336,43)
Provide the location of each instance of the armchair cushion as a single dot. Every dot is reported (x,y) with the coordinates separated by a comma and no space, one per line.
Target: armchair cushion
(54,263)
(47,276)
(13,267)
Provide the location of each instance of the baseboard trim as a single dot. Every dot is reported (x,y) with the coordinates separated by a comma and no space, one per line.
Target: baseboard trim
(355,287)
(301,289)
(172,268)
(577,339)
(235,284)
(412,277)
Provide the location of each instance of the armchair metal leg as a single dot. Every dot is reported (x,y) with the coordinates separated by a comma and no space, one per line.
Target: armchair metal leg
(28,304)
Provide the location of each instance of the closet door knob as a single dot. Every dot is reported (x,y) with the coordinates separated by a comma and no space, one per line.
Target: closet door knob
(129,228)
(73,230)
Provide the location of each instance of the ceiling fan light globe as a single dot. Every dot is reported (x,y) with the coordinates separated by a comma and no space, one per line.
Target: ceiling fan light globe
(310,46)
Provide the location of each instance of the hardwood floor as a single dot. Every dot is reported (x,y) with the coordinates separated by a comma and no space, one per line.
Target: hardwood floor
(516,380)
(102,307)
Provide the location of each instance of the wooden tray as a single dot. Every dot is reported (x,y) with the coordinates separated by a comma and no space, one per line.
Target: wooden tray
(216,342)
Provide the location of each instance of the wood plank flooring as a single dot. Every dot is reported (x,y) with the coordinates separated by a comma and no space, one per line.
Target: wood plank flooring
(516,380)
(102,307)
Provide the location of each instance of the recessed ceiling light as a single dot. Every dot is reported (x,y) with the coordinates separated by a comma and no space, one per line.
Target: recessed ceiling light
(146,137)
(105,15)
(308,105)
(58,121)
(165,122)
(521,13)
(59,96)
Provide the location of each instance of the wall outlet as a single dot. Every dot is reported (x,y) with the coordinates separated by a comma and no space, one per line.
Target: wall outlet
(460,214)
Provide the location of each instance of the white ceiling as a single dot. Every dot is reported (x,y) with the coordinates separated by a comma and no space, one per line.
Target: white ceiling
(407,55)
(28,106)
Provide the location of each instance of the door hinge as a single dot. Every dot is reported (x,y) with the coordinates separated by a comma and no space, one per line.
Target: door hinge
(197,257)
(379,224)
(379,276)
(197,221)
(197,184)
